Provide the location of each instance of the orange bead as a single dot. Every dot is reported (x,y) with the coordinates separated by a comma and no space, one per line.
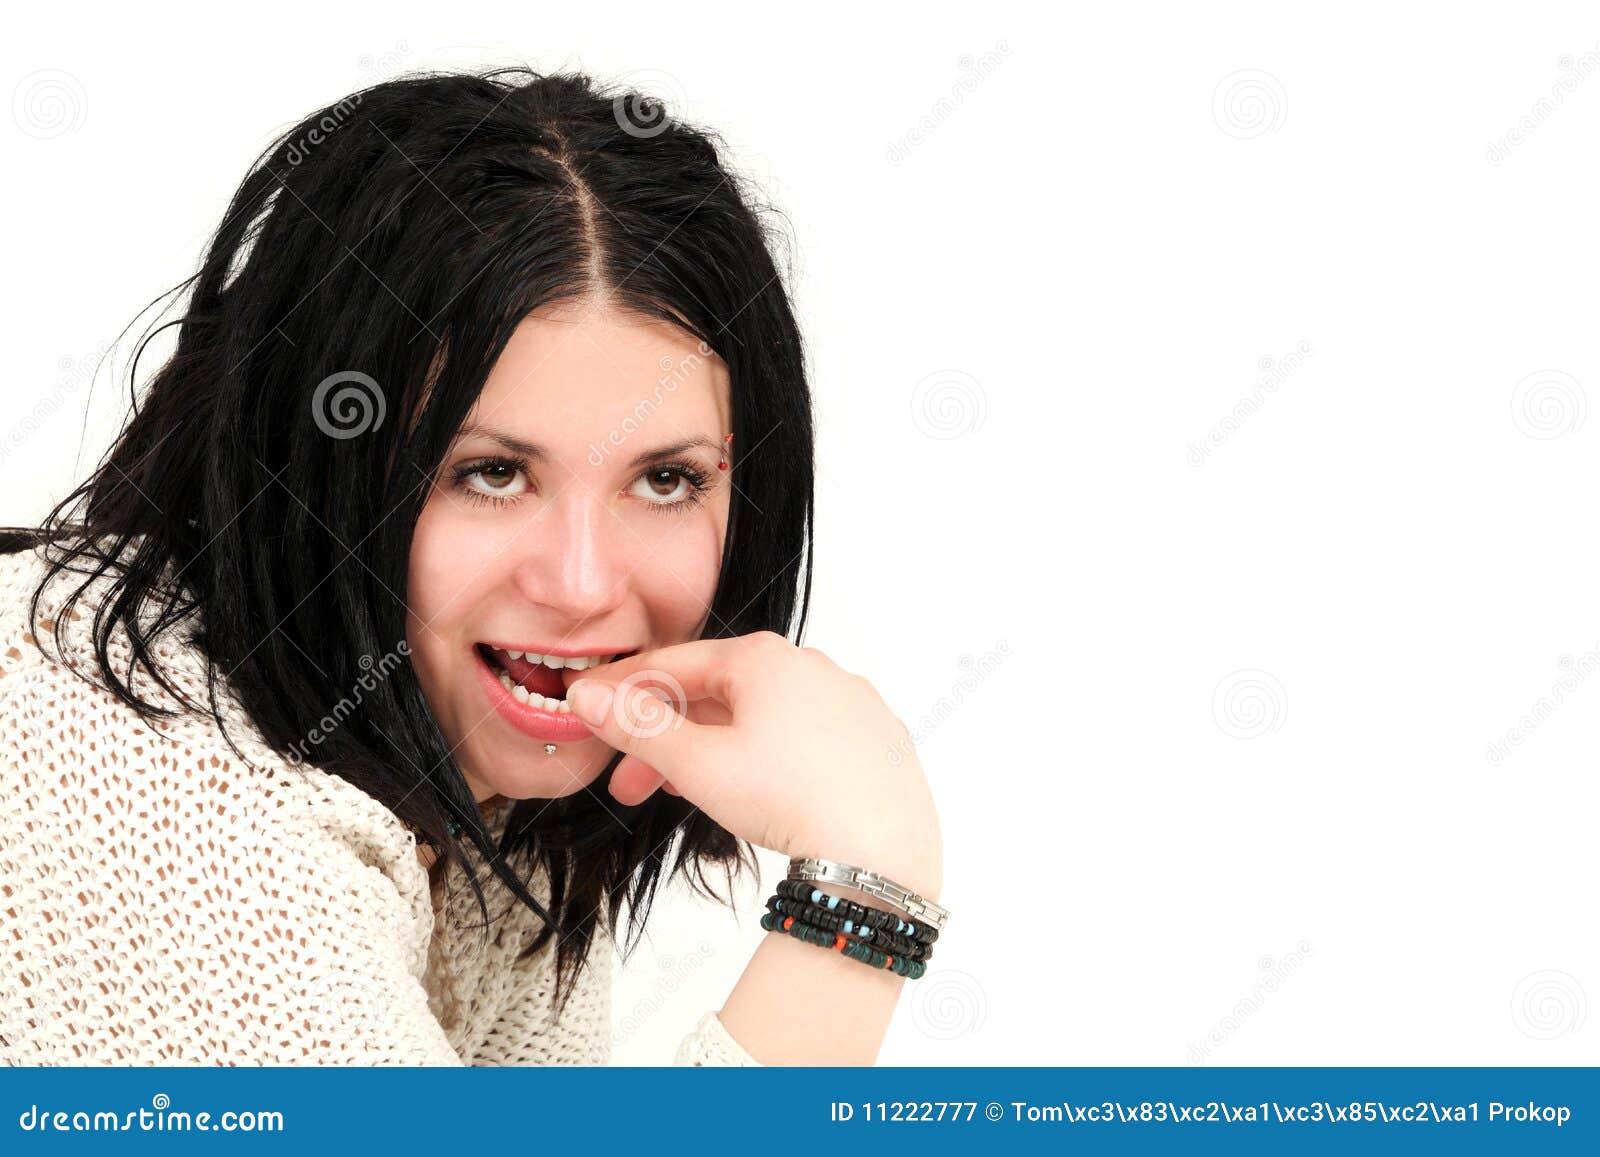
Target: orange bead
(787,921)
(889,963)
(839,943)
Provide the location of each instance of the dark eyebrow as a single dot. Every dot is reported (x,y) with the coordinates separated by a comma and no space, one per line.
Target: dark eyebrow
(510,442)
(536,453)
(699,441)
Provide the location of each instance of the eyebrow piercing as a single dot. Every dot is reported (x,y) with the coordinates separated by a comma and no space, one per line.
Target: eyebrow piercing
(726,442)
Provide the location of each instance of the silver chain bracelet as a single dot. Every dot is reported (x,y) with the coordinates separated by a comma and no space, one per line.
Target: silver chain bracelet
(811,868)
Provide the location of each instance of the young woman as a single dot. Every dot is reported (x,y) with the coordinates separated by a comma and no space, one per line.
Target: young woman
(455,547)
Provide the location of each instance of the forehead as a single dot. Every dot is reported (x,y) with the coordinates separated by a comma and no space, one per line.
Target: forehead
(580,370)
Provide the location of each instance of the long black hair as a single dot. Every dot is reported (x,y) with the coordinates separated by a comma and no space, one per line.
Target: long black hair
(391,243)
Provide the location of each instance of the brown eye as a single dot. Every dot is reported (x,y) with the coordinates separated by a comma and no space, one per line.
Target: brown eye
(492,481)
(668,487)
(664,482)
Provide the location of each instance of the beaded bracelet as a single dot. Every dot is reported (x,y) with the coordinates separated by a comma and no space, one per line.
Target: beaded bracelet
(819,917)
(838,921)
(871,917)
(829,921)
(845,945)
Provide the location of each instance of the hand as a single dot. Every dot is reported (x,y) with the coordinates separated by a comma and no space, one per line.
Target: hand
(776,743)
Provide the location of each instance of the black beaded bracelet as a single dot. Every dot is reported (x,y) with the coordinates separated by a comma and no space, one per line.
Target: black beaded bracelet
(844,945)
(871,917)
(831,921)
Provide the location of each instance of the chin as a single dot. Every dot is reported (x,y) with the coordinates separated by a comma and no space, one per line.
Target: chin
(529,773)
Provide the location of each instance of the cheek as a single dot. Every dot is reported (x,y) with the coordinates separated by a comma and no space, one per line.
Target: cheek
(448,572)
(678,577)
(444,565)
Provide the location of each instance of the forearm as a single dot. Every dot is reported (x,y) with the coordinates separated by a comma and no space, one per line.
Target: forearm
(800,1004)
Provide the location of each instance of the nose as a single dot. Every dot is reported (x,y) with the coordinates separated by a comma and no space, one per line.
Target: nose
(574,560)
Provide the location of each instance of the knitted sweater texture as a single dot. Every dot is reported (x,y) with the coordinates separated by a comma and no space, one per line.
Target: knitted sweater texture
(161,903)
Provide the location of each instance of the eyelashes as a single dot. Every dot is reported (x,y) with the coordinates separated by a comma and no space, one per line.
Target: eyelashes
(468,470)
(698,481)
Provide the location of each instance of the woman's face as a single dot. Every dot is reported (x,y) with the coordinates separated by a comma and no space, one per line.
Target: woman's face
(578,516)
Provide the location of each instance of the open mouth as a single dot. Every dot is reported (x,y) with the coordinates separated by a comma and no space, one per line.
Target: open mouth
(540,680)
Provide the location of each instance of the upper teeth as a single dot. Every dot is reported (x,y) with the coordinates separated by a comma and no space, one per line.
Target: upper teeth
(557,662)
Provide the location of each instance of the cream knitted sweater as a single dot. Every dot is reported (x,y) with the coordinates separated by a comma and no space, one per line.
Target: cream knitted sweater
(163,904)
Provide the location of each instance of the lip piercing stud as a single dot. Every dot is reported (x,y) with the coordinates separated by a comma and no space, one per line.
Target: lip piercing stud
(549,749)
(726,442)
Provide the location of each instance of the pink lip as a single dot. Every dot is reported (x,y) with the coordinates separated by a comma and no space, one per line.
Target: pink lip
(546,726)
(527,650)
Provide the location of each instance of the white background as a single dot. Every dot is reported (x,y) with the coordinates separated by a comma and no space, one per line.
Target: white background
(1230,797)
